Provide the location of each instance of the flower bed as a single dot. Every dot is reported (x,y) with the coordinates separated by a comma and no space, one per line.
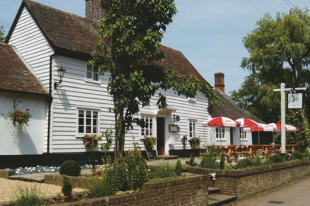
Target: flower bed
(244,182)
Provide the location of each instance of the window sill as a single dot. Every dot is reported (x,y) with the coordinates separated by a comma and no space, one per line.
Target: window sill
(80,136)
(90,81)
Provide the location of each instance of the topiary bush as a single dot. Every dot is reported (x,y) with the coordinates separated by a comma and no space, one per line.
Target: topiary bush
(66,187)
(178,168)
(70,168)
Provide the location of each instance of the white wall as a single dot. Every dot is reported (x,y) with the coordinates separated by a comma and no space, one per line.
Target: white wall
(28,139)
(226,140)
(76,91)
(30,43)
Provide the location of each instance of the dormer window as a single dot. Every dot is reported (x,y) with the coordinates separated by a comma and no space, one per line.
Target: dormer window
(92,72)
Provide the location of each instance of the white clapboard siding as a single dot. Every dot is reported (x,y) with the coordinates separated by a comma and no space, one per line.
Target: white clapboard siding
(78,92)
(35,51)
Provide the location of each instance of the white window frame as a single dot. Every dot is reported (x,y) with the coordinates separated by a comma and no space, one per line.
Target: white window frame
(192,123)
(85,110)
(148,129)
(220,132)
(242,134)
(91,70)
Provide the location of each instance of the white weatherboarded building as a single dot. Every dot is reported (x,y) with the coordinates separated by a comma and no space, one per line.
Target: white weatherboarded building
(46,39)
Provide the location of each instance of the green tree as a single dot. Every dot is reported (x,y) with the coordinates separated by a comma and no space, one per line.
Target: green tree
(130,52)
(2,37)
(279,51)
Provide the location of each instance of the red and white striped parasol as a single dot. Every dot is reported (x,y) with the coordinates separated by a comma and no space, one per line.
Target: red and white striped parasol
(260,128)
(244,122)
(288,128)
(221,122)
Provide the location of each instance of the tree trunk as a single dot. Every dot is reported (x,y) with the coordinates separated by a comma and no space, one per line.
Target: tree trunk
(119,131)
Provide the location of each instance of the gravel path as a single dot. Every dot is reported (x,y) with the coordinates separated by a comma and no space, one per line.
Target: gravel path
(8,188)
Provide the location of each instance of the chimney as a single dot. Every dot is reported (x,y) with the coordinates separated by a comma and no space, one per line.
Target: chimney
(219,83)
(94,10)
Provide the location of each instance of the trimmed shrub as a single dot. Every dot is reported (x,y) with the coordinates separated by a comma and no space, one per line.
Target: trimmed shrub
(70,168)
(178,168)
(297,155)
(244,163)
(66,187)
(276,158)
(28,196)
(208,162)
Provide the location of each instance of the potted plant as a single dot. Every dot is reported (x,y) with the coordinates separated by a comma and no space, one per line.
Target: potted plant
(90,141)
(194,142)
(149,142)
(19,117)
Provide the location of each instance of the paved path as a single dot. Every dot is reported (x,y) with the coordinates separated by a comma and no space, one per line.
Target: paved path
(296,193)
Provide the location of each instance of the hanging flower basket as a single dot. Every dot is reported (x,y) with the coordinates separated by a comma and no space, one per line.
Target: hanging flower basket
(90,141)
(194,142)
(19,117)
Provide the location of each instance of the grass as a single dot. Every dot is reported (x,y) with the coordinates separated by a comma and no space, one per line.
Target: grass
(28,196)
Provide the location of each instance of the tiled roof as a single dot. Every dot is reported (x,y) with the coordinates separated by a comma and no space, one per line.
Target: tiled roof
(230,109)
(14,75)
(77,36)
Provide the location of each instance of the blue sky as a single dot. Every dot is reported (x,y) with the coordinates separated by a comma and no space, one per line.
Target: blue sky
(208,32)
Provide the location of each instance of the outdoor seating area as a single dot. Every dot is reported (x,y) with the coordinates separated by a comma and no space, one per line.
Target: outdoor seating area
(237,151)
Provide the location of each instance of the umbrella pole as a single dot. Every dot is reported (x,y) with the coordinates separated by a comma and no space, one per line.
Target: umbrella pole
(258,138)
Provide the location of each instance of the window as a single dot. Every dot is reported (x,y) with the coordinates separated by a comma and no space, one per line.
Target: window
(92,72)
(147,128)
(192,128)
(242,134)
(88,121)
(220,133)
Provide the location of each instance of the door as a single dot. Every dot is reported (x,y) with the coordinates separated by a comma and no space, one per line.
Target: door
(160,136)
(231,136)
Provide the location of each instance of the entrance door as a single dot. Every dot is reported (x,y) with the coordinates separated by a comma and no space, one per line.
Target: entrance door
(161,136)
(231,136)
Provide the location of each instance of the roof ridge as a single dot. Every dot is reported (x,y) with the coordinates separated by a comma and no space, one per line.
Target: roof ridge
(28,2)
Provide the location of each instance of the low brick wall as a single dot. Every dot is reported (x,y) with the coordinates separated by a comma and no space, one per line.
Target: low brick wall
(249,181)
(188,191)
(57,179)
(6,173)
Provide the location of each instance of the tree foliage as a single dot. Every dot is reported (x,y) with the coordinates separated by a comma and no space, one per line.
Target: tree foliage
(131,32)
(279,51)
(2,37)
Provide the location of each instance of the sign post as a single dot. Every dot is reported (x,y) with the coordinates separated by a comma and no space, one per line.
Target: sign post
(282,90)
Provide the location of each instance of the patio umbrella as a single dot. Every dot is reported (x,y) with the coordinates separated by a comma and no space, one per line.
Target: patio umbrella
(260,128)
(244,122)
(220,122)
(288,128)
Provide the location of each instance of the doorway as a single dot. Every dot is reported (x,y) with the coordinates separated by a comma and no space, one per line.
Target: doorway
(231,136)
(160,136)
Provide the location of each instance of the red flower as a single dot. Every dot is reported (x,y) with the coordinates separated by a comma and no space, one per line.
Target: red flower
(52,201)
(65,197)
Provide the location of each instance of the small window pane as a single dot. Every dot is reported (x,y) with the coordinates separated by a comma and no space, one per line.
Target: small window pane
(88,129)
(81,121)
(81,129)
(88,121)
(81,113)
(95,130)
(95,122)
